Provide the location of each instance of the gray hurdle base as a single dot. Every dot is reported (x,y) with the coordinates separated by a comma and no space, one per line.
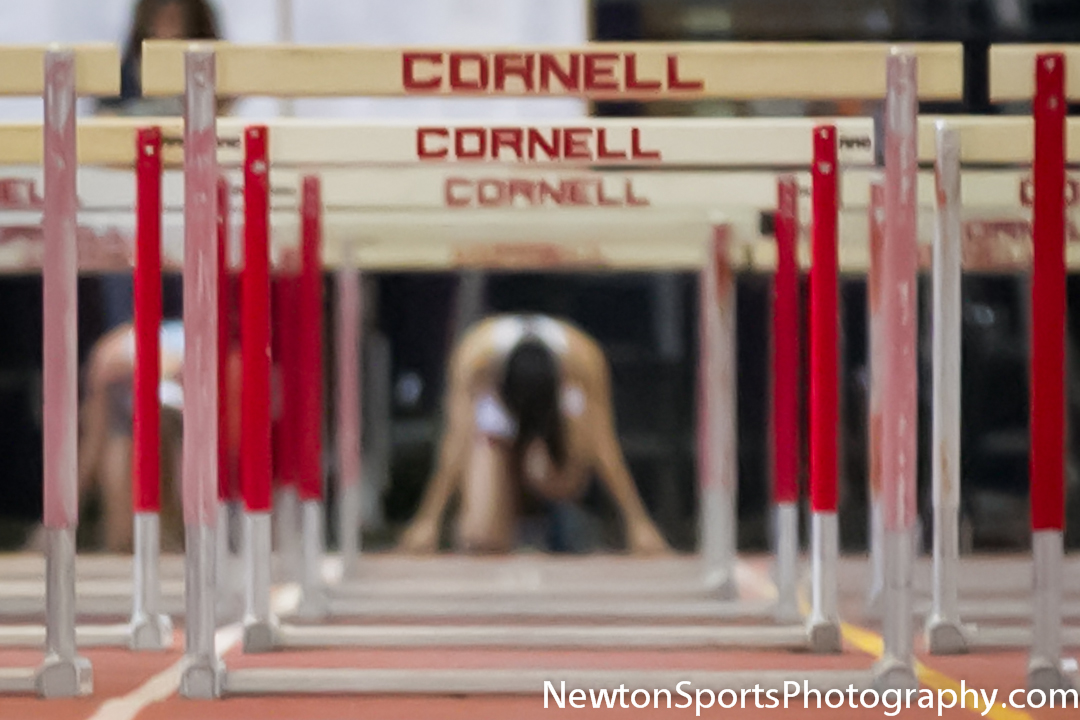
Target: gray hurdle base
(541,636)
(519,682)
(548,606)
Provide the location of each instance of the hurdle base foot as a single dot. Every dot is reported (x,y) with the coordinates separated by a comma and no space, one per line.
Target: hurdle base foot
(314,605)
(202,680)
(823,636)
(874,607)
(945,637)
(1046,676)
(787,611)
(892,674)
(151,632)
(260,636)
(721,585)
(64,678)
(229,606)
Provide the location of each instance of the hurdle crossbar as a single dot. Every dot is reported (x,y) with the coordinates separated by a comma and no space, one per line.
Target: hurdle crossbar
(585,142)
(630,71)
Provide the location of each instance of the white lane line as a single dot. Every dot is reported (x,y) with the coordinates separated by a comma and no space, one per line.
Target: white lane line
(163,685)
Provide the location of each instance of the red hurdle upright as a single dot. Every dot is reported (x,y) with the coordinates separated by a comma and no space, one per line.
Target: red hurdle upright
(824,394)
(1047,407)
(255,446)
(150,629)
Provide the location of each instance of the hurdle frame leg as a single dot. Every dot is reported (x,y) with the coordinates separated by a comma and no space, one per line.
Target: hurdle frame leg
(287,532)
(717,454)
(899,391)
(63,673)
(203,671)
(786,361)
(313,601)
(1048,373)
(348,316)
(944,632)
(823,625)
(151,629)
(260,626)
(876,236)
(229,581)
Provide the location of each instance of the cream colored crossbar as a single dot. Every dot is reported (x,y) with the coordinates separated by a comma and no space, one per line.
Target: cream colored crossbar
(97,69)
(1012,71)
(607,142)
(810,71)
(722,142)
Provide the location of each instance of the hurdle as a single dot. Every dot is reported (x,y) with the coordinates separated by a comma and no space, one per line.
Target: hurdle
(469,604)
(357,71)
(604,607)
(59,75)
(1045,85)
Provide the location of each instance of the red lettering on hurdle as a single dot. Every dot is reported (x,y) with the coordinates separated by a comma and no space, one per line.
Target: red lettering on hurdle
(567,192)
(605,73)
(529,144)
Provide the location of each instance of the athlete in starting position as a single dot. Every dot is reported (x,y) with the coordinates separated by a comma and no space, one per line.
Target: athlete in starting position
(105,443)
(530,419)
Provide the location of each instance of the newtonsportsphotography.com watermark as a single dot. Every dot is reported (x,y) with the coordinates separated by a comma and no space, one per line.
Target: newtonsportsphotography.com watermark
(800,696)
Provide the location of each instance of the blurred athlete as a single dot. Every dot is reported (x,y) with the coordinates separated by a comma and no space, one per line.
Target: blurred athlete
(530,421)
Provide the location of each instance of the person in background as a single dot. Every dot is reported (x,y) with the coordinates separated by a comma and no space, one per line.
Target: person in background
(152,20)
(158,20)
(529,422)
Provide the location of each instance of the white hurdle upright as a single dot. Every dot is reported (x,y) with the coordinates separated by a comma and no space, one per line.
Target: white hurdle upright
(59,75)
(944,633)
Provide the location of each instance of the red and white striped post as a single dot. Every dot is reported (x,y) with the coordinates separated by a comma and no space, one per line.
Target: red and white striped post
(64,672)
(1047,407)
(348,330)
(944,632)
(785,397)
(203,670)
(824,622)
(899,398)
(255,448)
(150,629)
(310,410)
(717,454)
